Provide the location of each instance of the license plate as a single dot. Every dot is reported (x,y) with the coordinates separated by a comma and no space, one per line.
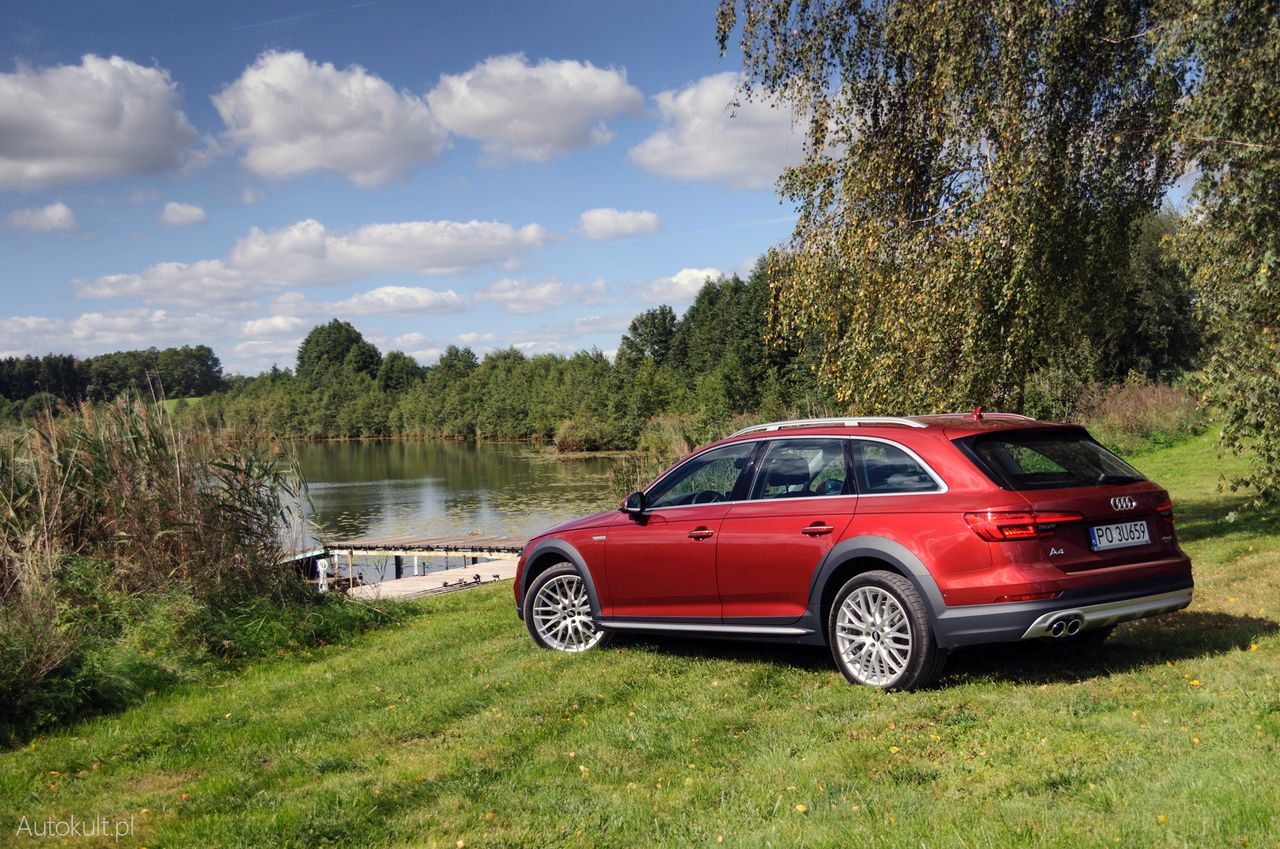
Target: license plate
(1120,535)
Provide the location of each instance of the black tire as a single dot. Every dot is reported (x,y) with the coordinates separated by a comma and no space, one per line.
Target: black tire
(558,613)
(886,608)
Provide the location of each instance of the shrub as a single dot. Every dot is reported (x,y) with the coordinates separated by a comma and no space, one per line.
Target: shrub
(132,555)
(579,435)
(1138,415)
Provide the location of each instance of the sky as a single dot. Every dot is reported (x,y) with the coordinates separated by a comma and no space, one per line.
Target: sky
(480,173)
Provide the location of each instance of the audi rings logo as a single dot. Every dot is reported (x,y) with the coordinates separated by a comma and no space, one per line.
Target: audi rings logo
(1123,502)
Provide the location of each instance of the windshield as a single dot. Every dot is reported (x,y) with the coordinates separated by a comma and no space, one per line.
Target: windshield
(1047,459)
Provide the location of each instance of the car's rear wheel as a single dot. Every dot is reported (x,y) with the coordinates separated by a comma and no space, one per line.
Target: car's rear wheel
(557,611)
(880,633)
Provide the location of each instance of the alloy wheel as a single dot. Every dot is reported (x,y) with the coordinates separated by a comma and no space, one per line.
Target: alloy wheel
(873,636)
(562,615)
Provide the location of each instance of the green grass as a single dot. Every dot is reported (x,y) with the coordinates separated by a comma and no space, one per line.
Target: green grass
(453,727)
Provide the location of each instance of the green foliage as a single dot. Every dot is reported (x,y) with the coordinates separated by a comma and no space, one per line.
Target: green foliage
(972,179)
(1138,415)
(1229,126)
(189,371)
(1152,327)
(133,555)
(335,346)
(648,336)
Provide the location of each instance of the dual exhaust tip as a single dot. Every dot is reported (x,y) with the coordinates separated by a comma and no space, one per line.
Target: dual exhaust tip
(1066,626)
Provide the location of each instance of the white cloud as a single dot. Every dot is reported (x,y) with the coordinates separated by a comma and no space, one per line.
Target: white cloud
(400,300)
(142,327)
(256,355)
(681,287)
(56,217)
(181,214)
(249,195)
(419,346)
(29,334)
(306,253)
(524,298)
(292,115)
(704,137)
(609,223)
(273,326)
(523,111)
(101,118)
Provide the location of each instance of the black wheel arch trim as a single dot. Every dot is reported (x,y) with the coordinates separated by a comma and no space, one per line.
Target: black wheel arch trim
(880,548)
(570,554)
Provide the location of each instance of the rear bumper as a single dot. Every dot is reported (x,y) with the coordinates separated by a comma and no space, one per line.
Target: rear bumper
(1111,612)
(1095,607)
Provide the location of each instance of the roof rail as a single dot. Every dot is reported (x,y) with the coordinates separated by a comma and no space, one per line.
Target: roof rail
(853,422)
(987,415)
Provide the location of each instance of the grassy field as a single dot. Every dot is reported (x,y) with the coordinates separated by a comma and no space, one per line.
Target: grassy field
(452,730)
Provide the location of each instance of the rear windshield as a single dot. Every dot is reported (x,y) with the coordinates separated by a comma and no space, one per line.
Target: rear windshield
(1047,459)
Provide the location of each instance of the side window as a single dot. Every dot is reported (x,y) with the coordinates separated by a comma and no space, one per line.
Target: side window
(707,478)
(802,468)
(886,469)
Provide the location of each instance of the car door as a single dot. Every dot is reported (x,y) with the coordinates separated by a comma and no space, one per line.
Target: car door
(800,503)
(661,564)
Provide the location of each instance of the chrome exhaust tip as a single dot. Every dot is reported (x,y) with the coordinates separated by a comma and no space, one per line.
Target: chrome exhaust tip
(1058,628)
(1073,626)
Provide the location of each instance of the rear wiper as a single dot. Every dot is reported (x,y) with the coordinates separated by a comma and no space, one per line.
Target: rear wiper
(1105,478)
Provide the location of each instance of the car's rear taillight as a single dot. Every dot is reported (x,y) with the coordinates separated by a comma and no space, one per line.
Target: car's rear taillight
(1165,509)
(1007,526)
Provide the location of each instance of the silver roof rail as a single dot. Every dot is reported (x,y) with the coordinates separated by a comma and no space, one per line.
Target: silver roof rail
(853,422)
(987,415)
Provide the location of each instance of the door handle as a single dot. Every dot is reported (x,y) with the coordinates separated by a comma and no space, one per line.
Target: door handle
(701,533)
(816,530)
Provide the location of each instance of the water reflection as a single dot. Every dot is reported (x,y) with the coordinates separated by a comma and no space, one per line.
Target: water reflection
(377,489)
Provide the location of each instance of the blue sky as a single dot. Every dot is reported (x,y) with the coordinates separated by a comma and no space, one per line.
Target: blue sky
(480,173)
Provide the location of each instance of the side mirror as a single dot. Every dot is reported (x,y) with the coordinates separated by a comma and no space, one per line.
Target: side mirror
(633,505)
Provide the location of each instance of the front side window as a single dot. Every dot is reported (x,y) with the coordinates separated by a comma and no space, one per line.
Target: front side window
(803,468)
(884,469)
(709,477)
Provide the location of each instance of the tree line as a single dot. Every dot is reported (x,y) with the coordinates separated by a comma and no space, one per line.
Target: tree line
(722,358)
(30,384)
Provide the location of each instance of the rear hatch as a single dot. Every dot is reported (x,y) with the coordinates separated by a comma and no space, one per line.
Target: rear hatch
(1093,510)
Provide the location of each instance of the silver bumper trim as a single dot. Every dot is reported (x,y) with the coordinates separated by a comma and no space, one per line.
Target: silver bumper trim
(1111,612)
(700,628)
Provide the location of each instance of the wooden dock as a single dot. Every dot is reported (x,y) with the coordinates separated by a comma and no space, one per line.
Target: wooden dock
(410,545)
(484,559)
(444,581)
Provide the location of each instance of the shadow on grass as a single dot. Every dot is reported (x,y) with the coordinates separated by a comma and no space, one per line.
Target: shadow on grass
(1199,519)
(1186,635)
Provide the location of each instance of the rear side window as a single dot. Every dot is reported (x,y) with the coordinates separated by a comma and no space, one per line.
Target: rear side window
(884,469)
(1031,459)
(802,468)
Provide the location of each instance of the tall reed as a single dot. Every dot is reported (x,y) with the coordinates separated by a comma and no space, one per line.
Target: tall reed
(109,514)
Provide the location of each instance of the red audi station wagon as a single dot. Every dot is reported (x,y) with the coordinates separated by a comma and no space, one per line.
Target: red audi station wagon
(890,540)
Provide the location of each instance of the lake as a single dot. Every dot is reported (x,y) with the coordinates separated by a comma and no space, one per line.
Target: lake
(390,488)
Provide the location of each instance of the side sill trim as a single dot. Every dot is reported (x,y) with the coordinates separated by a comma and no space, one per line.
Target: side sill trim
(693,627)
(1111,612)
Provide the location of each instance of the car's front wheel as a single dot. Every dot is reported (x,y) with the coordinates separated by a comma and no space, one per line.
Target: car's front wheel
(880,633)
(557,611)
